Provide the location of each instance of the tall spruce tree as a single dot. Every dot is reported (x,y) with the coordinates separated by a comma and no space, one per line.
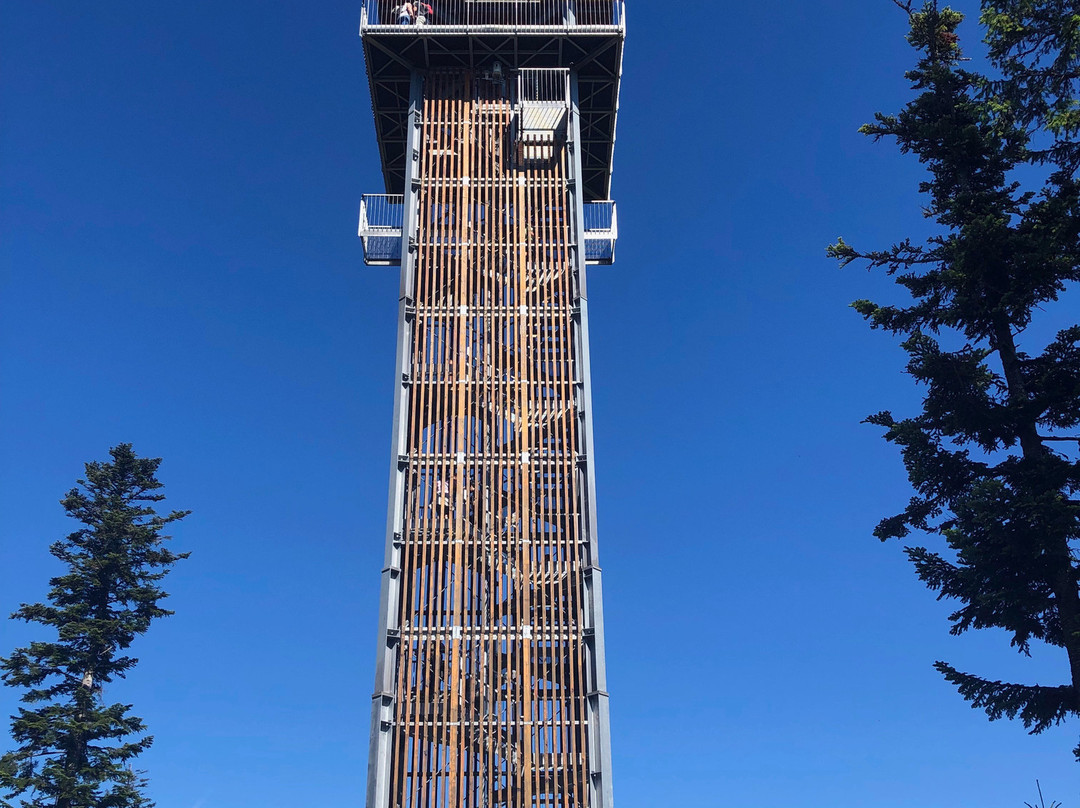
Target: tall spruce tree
(74,750)
(993,455)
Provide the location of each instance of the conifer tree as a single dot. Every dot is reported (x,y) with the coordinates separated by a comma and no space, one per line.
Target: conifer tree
(73,749)
(993,455)
(1035,44)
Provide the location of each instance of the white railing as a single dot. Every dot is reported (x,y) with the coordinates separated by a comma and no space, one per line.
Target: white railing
(543,97)
(601,231)
(381,218)
(485,13)
(543,85)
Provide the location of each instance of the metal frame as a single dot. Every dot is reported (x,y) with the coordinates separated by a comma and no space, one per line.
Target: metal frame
(601,795)
(485,15)
(490,673)
(381,220)
(392,51)
(389,633)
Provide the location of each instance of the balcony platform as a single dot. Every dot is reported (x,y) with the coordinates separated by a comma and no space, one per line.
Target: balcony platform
(586,35)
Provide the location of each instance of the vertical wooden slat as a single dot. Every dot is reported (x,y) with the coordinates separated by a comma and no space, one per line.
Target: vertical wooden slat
(490,708)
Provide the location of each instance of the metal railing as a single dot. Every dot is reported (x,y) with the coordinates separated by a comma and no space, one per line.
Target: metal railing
(543,85)
(601,232)
(382,218)
(543,99)
(486,13)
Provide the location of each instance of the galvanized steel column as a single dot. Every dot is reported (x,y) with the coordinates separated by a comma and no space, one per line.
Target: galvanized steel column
(601,795)
(389,636)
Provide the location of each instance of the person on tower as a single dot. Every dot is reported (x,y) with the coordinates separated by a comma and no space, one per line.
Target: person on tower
(403,13)
(423,13)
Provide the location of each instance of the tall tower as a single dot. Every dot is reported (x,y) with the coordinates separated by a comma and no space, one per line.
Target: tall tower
(496,124)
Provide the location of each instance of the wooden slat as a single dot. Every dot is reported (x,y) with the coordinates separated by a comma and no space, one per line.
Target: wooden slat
(491,669)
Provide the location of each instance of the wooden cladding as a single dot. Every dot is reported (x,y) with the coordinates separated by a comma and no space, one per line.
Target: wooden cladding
(492,661)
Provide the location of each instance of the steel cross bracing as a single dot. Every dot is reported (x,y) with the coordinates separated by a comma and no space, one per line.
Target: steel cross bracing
(392,53)
(490,681)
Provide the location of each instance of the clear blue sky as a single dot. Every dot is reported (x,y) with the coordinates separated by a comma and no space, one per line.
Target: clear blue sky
(179,185)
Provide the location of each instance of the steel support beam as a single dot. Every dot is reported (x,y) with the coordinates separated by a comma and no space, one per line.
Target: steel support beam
(599,721)
(382,704)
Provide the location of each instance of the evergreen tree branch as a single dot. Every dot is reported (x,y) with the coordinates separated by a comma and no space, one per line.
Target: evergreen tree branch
(1036,706)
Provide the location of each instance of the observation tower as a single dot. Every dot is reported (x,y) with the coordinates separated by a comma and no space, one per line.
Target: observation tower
(495,121)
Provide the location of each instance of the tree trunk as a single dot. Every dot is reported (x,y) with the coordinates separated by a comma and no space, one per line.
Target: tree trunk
(1064,581)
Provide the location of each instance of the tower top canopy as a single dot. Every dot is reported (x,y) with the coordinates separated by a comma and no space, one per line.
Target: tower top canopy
(403,36)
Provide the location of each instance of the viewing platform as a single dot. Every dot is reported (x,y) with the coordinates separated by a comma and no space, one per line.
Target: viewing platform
(463,15)
(583,35)
(381,219)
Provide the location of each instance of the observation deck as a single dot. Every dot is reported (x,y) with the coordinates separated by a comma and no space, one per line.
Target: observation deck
(583,35)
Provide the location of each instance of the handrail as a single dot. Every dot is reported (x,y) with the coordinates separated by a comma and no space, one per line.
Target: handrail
(381,220)
(381,213)
(457,14)
(601,231)
(600,217)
